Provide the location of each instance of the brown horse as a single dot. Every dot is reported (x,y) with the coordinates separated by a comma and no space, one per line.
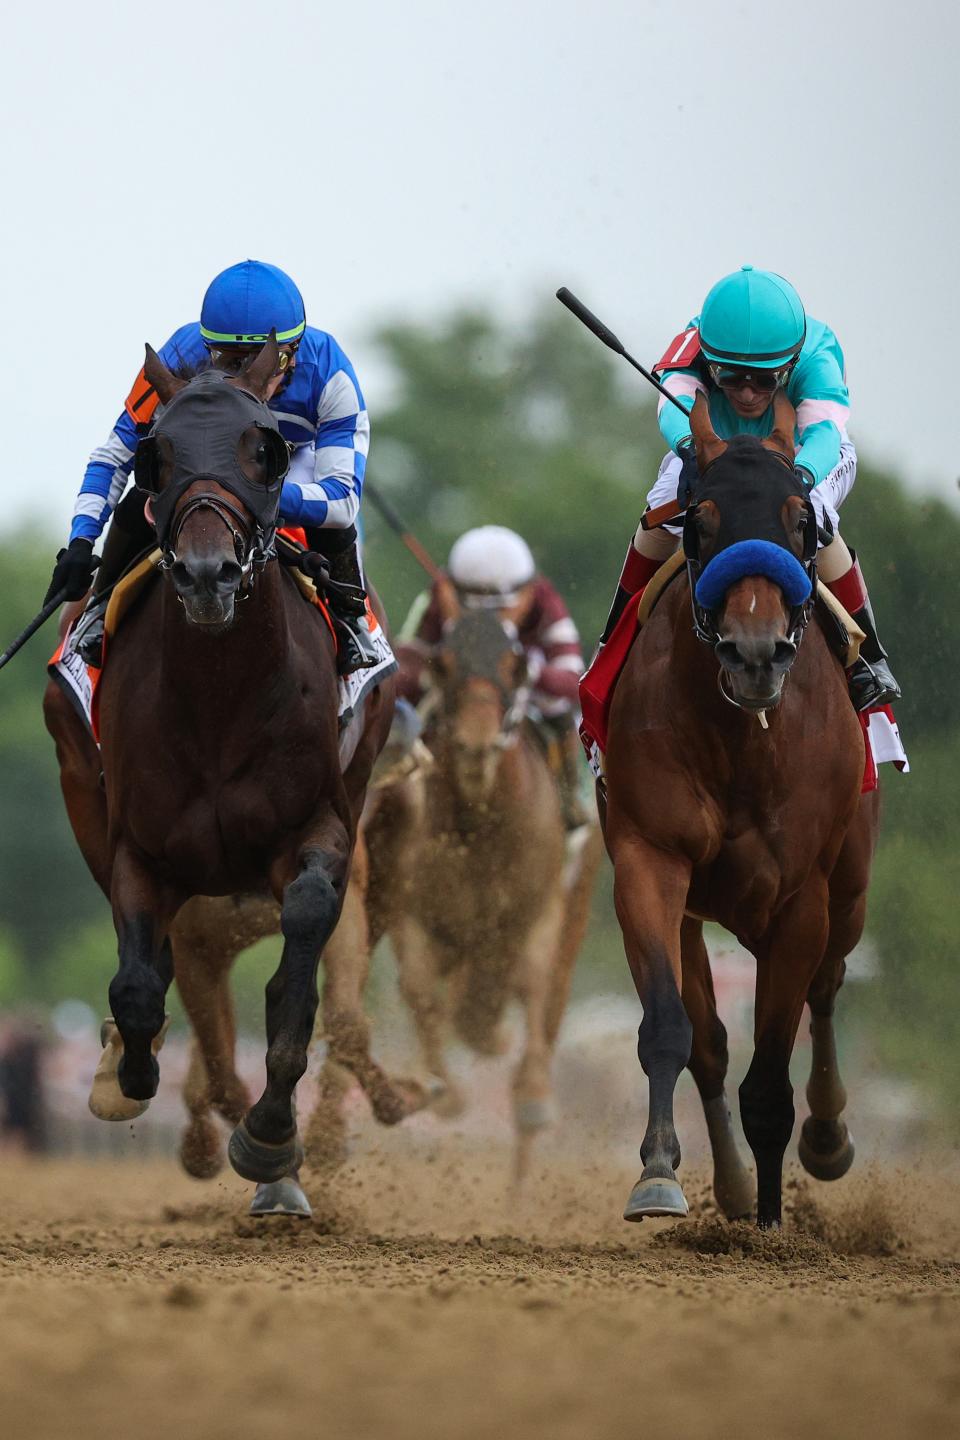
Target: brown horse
(470,877)
(716,812)
(220,767)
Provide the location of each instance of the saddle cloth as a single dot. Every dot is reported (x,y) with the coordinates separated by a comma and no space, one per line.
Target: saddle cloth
(880,732)
(81,682)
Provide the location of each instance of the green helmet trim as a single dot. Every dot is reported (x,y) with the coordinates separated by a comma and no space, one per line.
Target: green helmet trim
(283,337)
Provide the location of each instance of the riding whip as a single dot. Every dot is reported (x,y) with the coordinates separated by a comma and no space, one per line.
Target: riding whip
(397,526)
(604,333)
(34,626)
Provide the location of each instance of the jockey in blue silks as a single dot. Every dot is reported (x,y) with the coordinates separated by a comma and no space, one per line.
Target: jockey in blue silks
(318,403)
(752,338)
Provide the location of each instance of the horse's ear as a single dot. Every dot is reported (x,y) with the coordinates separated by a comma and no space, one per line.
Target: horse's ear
(156,374)
(784,426)
(262,370)
(706,440)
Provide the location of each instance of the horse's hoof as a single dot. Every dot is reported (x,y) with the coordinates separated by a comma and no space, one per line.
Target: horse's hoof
(736,1196)
(397,1099)
(655,1197)
(257,1160)
(201,1153)
(282,1197)
(446,1099)
(825,1163)
(532,1115)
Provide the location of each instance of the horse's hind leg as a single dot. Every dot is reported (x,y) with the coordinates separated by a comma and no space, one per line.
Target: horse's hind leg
(825,1147)
(202,972)
(733,1186)
(787,960)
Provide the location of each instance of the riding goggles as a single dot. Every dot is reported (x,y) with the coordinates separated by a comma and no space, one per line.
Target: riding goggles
(735,377)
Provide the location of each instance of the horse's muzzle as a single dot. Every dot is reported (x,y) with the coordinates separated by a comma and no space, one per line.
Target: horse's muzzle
(207,586)
(756,665)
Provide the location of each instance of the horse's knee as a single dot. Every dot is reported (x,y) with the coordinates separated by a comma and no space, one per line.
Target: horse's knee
(311,902)
(665,1036)
(766,1109)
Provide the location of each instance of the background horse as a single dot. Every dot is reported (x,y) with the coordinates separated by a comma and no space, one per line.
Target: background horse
(220,767)
(469,874)
(711,815)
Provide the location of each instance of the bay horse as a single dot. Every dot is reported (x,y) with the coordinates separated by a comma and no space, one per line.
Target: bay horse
(470,877)
(734,796)
(220,767)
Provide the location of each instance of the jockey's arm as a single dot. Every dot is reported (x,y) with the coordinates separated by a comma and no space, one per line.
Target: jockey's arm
(332,498)
(558,640)
(685,385)
(108,469)
(819,392)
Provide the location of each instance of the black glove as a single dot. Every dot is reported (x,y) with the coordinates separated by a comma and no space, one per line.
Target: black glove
(73,571)
(315,565)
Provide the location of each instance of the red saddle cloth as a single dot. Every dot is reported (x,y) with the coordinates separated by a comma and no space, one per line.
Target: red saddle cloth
(598,684)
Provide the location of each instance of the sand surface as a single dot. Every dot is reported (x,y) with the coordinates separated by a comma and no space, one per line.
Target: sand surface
(422,1302)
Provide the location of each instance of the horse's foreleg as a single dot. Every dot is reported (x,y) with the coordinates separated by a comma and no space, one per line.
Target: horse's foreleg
(650,892)
(786,963)
(531,1083)
(142,912)
(418,970)
(345,1021)
(733,1186)
(265,1146)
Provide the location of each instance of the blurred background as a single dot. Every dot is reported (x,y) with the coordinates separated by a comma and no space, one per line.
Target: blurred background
(429,179)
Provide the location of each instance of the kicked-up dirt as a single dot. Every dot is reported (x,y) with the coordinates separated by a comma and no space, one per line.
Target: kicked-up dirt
(423,1302)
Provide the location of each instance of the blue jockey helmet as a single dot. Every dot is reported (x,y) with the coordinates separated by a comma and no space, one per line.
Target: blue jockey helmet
(243,304)
(752,318)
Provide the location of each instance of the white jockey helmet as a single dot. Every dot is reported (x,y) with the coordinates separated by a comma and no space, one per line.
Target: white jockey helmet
(490,565)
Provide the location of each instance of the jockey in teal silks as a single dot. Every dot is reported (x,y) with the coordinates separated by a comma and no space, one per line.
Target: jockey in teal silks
(751,338)
(318,403)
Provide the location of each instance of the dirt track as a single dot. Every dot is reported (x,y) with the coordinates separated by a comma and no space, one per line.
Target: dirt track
(420,1304)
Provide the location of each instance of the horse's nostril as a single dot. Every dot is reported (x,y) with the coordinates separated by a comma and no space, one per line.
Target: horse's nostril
(784,653)
(729,656)
(230,574)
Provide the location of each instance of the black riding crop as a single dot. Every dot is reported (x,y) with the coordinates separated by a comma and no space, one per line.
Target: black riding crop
(33,627)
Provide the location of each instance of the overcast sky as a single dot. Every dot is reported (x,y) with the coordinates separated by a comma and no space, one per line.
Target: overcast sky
(400,158)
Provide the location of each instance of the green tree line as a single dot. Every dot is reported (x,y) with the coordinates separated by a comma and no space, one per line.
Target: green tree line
(537,428)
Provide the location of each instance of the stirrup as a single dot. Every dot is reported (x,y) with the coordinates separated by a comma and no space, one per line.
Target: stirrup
(89,630)
(871,683)
(355,648)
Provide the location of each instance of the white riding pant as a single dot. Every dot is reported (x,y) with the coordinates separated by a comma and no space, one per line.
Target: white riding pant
(827,497)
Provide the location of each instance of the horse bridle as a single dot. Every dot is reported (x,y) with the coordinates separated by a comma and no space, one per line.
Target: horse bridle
(254,544)
(705,618)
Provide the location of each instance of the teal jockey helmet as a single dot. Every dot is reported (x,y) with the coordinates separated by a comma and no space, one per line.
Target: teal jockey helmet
(752,318)
(243,304)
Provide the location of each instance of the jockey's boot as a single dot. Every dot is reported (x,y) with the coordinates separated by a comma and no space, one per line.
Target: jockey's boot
(869,678)
(129,535)
(637,571)
(348,605)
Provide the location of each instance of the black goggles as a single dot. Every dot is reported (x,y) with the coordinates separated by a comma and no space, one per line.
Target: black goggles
(736,377)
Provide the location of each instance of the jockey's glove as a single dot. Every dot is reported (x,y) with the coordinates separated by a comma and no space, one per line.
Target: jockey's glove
(73,571)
